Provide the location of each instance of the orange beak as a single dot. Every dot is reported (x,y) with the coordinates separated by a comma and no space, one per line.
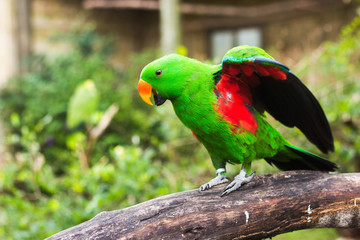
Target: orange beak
(145,91)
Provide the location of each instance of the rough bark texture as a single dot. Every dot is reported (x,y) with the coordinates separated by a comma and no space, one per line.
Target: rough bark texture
(269,205)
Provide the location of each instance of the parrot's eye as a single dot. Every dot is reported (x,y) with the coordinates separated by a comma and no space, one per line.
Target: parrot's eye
(158,73)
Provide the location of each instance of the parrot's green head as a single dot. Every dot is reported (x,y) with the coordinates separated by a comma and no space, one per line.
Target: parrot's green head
(166,78)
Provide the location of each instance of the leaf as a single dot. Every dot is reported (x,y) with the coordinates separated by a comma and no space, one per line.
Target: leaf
(82,104)
(75,140)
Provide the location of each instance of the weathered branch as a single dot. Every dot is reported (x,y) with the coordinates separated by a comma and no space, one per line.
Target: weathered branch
(269,205)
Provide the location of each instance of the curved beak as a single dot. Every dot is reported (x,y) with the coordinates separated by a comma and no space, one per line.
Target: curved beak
(145,91)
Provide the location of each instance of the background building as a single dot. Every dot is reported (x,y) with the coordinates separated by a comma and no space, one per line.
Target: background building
(286,28)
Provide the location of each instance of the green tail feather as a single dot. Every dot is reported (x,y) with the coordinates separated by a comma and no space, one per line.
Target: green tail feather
(292,158)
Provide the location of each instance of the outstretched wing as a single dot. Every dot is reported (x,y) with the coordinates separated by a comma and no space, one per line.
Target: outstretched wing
(268,85)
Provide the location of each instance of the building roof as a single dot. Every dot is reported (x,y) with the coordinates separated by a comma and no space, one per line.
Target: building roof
(246,8)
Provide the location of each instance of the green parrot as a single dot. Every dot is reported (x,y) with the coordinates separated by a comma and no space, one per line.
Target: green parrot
(224,106)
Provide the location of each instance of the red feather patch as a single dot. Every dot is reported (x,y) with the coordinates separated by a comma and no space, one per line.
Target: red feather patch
(247,70)
(235,104)
(276,72)
(234,95)
(262,70)
(195,135)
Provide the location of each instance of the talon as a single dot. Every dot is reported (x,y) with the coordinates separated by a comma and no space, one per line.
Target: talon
(223,194)
(230,186)
(239,180)
(219,179)
(251,175)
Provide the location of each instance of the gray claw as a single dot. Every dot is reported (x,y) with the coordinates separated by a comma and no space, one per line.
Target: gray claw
(219,179)
(239,180)
(204,187)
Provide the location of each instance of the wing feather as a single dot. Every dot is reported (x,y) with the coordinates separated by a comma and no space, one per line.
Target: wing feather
(282,94)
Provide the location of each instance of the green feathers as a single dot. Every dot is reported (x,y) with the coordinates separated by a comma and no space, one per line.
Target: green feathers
(223,105)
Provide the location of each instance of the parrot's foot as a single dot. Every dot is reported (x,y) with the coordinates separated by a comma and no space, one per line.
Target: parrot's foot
(220,178)
(239,180)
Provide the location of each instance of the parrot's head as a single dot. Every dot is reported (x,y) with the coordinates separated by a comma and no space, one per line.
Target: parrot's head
(165,78)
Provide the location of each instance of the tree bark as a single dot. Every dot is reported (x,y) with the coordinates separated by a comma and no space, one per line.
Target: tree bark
(269,205)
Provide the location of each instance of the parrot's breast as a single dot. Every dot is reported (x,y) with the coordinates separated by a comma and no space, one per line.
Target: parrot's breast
(223,124)
(223,119)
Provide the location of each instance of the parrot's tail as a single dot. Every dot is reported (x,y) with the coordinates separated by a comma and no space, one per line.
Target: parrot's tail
(297,159)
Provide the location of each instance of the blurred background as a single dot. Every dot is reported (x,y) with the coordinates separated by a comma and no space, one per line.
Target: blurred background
(75,137)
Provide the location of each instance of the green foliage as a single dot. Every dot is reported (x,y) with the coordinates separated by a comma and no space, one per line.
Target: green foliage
(313,234)
(36,203)
(62,171)
(42,95)
(39,100)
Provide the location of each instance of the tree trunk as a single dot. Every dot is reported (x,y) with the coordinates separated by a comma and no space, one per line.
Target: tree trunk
(170,25)
(269,205)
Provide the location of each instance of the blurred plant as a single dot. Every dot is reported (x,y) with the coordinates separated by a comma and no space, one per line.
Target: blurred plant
(83,104)
(79,195)
(82,110)
(44,93)
(55,120)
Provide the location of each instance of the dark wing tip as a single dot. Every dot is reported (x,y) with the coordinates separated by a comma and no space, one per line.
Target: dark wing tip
(292,103)
(316,128)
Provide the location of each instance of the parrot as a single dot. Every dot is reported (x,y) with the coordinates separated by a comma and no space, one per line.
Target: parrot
(226,105)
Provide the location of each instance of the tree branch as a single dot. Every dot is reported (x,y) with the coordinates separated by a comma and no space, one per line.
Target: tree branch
(269,205)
